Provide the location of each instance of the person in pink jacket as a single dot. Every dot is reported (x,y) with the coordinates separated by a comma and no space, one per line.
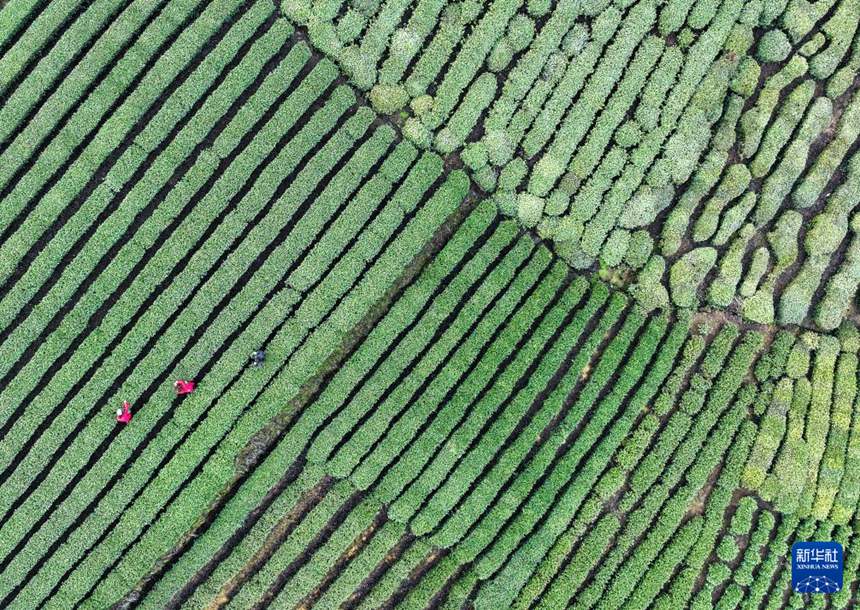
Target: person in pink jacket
(183,386)
(123,415)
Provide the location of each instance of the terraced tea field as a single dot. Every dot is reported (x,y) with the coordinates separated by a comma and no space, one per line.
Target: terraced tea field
(558,301)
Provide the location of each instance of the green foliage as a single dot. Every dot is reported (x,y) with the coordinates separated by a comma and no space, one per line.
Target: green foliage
(446,396)
(655,90)
(727,550)
(833,460)
(798,361)
(474,155)
(839,82)
(512,175)
(538,7)
(421,105)
(735,181)
(499,147)
(777,135)
(746,79)
(722,290)
(770,435)
(734,217)
(557,203)
(615,248)
(388,99)
(741,522)
(672,16)
(649,291)
(718,573)
(773,46)
(755,119)
(849,337)
(529,209)
(575,40)
(772,364)
(757,268)
(687,274)
(702,13)
(644,207)
(368,238)
(740,40)
(478,97)
(416,132)
(783,239)
(628,135)
(486,178)
(796,299)
(826,163)
(639,249)
(521,31)
(501,55)
(506,201)
(825,234)
(759,307)
(840,30)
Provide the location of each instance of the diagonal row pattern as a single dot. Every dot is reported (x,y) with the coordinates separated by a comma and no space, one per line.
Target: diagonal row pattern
(449,415)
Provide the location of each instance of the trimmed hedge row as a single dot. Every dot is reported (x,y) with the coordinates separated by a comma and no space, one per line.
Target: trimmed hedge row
(587,487)
(801,457)
(841,415)
(176,336)
(14,19)
(554,161)
(436,513)
(295,545)
(264,476)
(661,511)
(111,133)
(70,90)
(507,434)
(357,230)
(160,266)
(587,127)
(389,436)
(541,502)
(466,412)
(344,309)
(419,292)
(412,348)
(33,39)
(591,110)
(107,234)
(75,39)
(600,486)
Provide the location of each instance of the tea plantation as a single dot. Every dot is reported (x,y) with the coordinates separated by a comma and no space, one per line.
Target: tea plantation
(558,300)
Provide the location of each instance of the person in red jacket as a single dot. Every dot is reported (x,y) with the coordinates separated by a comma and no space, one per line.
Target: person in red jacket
(123,415)
(183,386)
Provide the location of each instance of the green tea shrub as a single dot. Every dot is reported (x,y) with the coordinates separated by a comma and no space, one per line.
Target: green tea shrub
(687,274)
(774,46)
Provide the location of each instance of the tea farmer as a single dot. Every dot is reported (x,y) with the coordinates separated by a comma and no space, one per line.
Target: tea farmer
(258,357)
(183,387)
(123,415)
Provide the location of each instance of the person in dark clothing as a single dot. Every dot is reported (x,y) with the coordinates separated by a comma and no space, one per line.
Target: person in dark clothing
(258,357)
